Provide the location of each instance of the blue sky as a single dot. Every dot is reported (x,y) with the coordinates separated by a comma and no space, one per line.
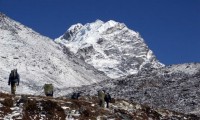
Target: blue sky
(171,28)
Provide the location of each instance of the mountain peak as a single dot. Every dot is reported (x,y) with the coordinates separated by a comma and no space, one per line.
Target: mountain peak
(2,16)
(75,27)
(110,47)
(111,23)
(72,30)
(98,21)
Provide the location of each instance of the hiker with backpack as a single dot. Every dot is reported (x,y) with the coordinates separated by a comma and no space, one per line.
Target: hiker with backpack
(107,99)
(101,96)
(13,80)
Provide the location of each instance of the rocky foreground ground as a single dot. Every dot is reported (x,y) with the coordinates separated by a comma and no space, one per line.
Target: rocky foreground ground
(28,107)
(174,88)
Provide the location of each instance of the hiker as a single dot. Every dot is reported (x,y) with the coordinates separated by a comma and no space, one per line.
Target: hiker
(107,99)
(101,96)
(75,95)
(48,90)
(13,80)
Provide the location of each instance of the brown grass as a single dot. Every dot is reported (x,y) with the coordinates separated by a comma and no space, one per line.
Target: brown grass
(4,111)
(4,95)
(53,109)
(50,108)
(8,102)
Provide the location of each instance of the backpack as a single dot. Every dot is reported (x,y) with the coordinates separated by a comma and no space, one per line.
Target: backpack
(48,89)
(14,76)
(107,97)
(101,94)
(75,95)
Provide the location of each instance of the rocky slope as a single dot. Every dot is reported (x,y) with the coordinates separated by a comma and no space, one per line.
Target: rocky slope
(27,107)
(110,47)
(174,87)
(39,60)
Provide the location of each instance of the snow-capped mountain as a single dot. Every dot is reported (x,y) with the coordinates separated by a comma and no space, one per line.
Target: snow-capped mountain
(39,60)
(110,47)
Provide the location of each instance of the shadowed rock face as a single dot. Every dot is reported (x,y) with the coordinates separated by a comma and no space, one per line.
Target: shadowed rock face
(110,47)
(27,107)
(174,87)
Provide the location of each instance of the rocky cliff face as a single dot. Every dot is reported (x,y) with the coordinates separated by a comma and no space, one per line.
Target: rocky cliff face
(110,47)
(39,60)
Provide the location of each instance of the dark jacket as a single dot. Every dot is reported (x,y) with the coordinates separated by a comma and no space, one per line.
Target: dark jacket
(75,95)
(107,97)
(14,77)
